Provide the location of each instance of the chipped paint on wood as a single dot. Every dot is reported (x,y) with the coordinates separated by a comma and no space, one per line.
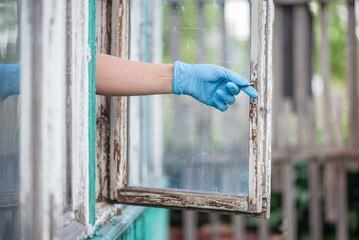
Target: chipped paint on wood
(260,108)
(79,90)
(102,147)
(103,16)
(268,124)
(111,112)
(118,117)
(182,199)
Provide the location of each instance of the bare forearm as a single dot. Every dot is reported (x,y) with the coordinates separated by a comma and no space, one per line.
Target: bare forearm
(120,77)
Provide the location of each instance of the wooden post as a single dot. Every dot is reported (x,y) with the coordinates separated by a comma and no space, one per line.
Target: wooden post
(353,83)
(301,49)
(263,229)
(288,198)
(103,16)
(215,221)
(325,74)
(278,64)
(342,202)
(189,220)
(329,167)
(288,182)
(352,77)
(342,221)
(239,227)
(315,206)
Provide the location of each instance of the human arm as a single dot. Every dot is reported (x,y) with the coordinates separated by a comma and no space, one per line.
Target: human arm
(120,77)
(212,85)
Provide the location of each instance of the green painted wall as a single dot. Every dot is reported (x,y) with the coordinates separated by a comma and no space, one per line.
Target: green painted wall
(136,223)
(152,224)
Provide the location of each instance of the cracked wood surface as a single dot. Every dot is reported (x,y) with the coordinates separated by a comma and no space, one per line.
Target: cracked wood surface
(182,199)
(260,108)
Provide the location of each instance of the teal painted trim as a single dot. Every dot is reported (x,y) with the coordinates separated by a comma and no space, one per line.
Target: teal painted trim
(136,223)
(92,112)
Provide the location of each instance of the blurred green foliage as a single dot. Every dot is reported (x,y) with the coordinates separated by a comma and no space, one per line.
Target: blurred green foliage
(8,25)
(337,35)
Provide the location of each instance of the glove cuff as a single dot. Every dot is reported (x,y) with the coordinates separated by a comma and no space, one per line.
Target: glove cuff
(179,76)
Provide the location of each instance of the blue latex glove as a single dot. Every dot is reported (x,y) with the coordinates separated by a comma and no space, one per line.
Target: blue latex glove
(9,80)
(212,85)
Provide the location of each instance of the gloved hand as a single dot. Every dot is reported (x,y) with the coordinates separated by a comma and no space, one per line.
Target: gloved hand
(9,80)
(212,85)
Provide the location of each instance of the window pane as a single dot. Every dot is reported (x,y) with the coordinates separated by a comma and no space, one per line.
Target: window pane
(203,149)
(9,120)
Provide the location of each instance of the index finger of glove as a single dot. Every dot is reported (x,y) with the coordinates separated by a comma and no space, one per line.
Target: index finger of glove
(236,78)
(250,91)
(242,82)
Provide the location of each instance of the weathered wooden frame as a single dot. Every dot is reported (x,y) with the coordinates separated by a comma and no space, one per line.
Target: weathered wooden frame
(54,90)
(112,34)
(258,201)
(42,125)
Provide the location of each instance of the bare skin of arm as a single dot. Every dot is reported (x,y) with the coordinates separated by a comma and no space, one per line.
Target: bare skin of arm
(121,77)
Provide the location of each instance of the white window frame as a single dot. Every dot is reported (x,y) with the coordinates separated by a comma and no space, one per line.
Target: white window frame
(46,85)
(258,201)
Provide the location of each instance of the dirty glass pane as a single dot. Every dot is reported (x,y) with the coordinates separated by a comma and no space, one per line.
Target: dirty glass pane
(203,149)
(9,120)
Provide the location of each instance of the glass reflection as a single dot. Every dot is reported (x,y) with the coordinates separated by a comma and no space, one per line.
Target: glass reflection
(204,149)
(9,120)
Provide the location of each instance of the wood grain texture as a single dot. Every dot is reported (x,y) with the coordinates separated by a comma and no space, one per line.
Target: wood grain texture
(78,75)
(260,108)
(183,199)
(255,121)
(118,105)
(103,40)
(112,36)
(266,194)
